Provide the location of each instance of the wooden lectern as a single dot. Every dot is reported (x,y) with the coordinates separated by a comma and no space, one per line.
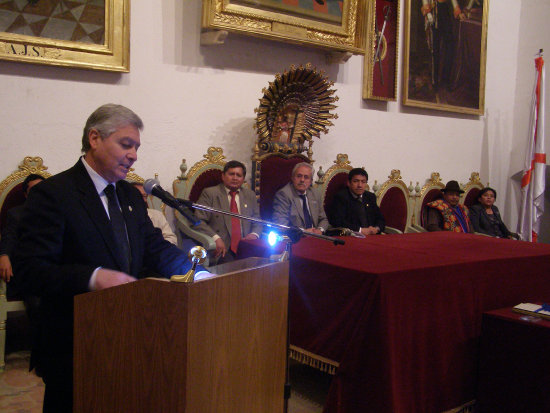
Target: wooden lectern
(217,345)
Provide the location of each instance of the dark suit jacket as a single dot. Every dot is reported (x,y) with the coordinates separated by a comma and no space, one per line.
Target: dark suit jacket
(64,235)
(481,223)
(9,232)
(7,247)
(288,209)
(212,223)
(341,211)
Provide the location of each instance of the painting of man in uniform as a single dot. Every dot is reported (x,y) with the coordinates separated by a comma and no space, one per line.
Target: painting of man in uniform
(322,10)
(445,53)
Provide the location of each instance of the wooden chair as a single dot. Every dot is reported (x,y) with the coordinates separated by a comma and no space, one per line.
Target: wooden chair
(11,195)
(189,185)
(471,190)
(333,180)
(393,198)
(430,191)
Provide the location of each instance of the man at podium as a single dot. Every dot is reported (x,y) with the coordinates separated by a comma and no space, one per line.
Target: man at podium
(84,230)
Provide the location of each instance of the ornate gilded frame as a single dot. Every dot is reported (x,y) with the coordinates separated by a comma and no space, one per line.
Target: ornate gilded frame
(272,19)
(464,91)
(380,74)
(113,55)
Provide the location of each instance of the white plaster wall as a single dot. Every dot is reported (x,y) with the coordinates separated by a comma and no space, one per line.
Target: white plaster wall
(191,97)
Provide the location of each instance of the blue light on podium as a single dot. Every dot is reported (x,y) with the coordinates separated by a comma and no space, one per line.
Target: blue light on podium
(273,238)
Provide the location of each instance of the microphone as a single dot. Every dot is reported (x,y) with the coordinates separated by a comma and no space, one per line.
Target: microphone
(152,187)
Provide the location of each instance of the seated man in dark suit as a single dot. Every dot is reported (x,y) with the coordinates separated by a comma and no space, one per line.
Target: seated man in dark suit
(9,232)
(296,204)
(355,208)
(447,214)
(83,230)
(231,196)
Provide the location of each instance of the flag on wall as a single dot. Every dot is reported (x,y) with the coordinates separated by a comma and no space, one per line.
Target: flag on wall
(532,181)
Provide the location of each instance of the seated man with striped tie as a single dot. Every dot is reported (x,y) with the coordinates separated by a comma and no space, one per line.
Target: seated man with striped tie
(296,204)
(230,195)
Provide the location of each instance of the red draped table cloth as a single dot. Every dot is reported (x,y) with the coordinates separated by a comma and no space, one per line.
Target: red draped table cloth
(401,314)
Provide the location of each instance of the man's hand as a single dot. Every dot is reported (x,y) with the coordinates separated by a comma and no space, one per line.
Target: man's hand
(369,231)
(221,249)
(106,278)
(314,230)
(6,271)
(251,236)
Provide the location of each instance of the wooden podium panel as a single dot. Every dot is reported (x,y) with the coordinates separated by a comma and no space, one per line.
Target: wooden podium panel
(216,345)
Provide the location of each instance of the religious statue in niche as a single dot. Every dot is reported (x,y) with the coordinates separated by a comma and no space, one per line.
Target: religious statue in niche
(288,126)
(295,108)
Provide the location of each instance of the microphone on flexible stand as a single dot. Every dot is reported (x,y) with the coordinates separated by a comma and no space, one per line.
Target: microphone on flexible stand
(152,187)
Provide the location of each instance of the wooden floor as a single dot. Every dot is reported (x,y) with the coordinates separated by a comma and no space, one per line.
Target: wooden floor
(22,392)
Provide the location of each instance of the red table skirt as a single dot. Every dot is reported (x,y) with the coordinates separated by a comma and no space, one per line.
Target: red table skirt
(402,313)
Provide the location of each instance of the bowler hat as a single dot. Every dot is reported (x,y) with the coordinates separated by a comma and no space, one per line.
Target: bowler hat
(452,186)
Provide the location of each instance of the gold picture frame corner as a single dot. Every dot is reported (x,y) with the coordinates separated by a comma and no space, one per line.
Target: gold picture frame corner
(113,55)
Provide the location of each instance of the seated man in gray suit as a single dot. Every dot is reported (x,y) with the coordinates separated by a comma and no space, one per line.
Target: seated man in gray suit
(230,195)
(299,205)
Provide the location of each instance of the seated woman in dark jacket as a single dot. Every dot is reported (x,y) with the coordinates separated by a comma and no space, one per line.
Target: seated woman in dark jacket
(485,216)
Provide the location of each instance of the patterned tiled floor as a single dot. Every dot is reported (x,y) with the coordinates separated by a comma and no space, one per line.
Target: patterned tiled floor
(22,392)
(74,20)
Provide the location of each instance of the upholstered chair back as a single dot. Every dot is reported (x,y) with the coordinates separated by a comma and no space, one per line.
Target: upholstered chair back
(334,185)
(13,198)
(190,184)
(394,207)
(471,190)
(393,200)
(333,180)
(208,177)
(471,196)
(270,173)
(431,195)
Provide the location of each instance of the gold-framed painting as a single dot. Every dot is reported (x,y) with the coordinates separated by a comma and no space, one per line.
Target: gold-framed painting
(91,34)
(380,62)
(445,54)
(338,25)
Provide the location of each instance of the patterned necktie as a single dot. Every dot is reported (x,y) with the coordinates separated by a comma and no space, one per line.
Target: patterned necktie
(119,228)
(236,234)
(307,216)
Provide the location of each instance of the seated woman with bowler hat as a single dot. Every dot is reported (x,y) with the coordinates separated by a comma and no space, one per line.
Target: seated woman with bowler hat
(447,214)
(485,216)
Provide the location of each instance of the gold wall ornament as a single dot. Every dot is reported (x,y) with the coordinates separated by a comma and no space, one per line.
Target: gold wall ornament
(325,25)
(294,108)
(103,40)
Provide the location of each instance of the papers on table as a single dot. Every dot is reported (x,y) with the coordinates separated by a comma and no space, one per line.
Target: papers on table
(533,309)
